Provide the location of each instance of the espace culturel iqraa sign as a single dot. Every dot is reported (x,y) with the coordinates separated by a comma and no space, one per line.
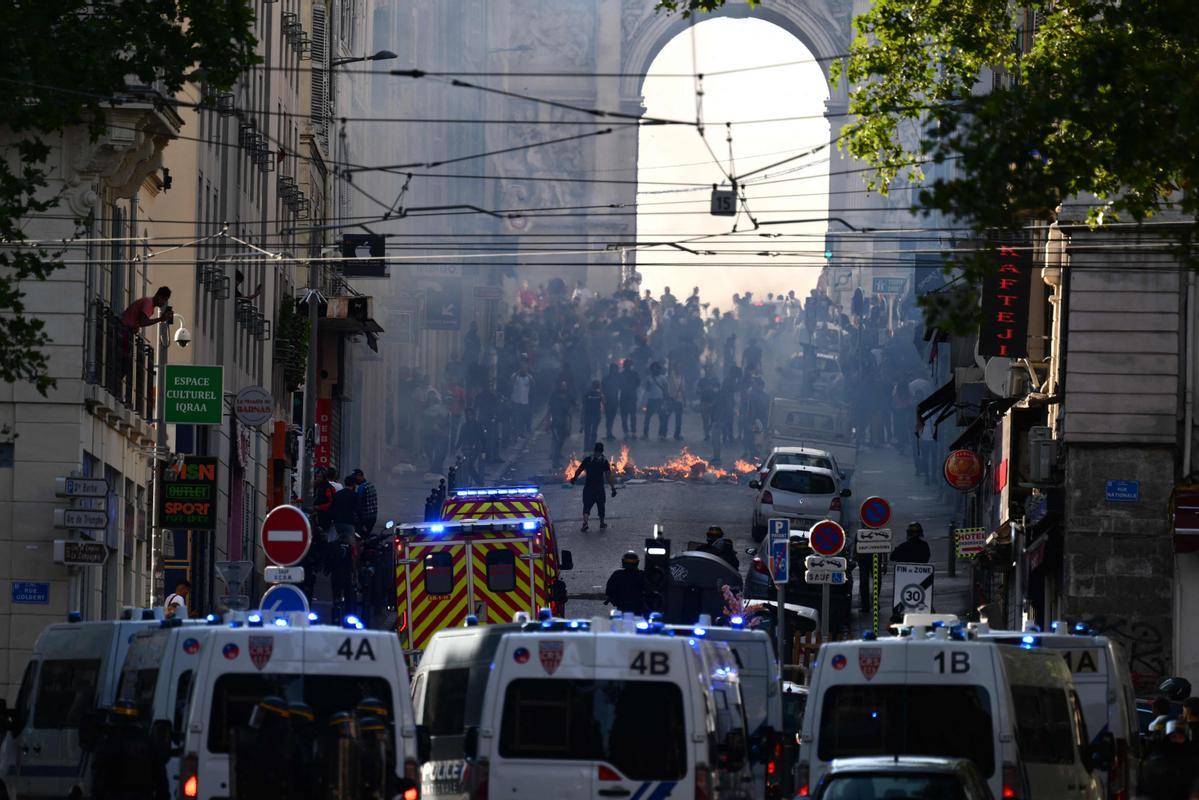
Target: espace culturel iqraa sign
(1003,331)
(194,394)
(189,492)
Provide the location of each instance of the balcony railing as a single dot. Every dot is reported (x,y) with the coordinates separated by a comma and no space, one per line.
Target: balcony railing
(121,361)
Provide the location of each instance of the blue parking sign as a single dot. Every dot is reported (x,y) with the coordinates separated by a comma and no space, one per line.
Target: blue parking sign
(779,526)
(780,551)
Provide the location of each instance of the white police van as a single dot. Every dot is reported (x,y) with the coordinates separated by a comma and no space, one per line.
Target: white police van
(1101,677)
(331,669)
(66,689)
(157,677)
(579,710)
(761,682)
(922,694)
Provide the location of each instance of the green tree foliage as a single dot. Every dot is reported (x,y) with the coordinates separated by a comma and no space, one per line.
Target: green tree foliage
(1100,97)
(65,62)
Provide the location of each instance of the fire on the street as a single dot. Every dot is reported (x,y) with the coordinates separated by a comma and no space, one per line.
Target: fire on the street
(685,466)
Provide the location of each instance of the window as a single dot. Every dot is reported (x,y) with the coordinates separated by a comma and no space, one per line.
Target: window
(183,696)
(501,570)
(439,574)
(445,701)
(870,787)
(235,695)
(802,482)
(137,685)
(65,693)
(883,719)
(24,693)
(636,726)
(1044,729)
(803,460)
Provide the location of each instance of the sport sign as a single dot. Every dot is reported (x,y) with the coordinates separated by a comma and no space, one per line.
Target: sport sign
(194,394)
(826,538)
(286,536)
(873,540)
(188,494)
(970,541)
(875,512)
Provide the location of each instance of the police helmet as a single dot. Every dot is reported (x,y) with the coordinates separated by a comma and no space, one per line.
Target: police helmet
(372,706)
(915,529)
(630,559)
(270,707)
(124,708)
(342,724)
(715,532)
(372,725)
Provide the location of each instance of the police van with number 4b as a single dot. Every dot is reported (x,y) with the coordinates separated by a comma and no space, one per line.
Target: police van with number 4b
(327,686)
(577,709)
(1012,711)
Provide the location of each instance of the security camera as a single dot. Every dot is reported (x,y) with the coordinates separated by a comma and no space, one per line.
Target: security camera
(183,337)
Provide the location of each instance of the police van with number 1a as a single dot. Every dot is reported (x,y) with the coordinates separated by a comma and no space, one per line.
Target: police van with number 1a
(325,673)
(599,709)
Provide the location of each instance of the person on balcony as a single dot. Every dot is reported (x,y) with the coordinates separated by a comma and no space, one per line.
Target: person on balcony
(134,318)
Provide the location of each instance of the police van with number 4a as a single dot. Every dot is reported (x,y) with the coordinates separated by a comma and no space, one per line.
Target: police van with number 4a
(577,709)
(323,672)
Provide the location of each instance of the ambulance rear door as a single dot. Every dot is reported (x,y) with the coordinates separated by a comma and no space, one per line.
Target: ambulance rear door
(436,586)
(504,577)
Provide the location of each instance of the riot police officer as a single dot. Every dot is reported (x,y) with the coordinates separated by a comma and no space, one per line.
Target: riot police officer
(626,586)
(720,547)
(126,766)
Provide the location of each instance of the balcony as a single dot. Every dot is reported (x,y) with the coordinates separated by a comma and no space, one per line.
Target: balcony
(120,361)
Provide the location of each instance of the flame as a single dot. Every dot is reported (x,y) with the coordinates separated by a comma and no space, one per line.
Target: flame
(624,462)
(685,466)
(744,467)
(571,467)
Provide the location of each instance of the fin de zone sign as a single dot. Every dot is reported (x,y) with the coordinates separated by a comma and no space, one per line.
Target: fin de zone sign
(194,394)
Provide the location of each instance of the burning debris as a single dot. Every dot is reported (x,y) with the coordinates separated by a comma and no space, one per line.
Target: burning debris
(685,466)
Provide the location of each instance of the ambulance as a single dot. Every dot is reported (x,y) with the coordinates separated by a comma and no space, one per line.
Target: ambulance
(66,689)
(490,568)
(577,709)
(331,669)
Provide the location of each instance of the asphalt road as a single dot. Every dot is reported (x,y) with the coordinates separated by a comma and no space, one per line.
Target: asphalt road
(686,508)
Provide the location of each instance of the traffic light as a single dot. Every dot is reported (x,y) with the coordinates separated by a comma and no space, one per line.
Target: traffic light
(657,572)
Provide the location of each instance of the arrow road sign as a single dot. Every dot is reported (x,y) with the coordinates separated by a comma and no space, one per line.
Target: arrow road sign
(825,563)
(81,519)
(88,554)
(286,535)
(826,538)
(873,540)
(80,487)
(283,598)
(875,512)
(234,573)
(824,576)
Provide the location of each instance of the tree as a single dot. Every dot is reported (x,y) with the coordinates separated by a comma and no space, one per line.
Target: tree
(65,62)
(1097,97)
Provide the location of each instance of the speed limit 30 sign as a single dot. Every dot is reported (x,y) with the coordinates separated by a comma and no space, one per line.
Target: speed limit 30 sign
(913,588)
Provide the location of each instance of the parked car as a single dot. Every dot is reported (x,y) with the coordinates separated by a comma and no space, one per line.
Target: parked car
(760,586)
(805,495)
(803,457)
(902,776)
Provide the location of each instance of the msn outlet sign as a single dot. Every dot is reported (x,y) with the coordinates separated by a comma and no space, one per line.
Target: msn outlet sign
(194,394)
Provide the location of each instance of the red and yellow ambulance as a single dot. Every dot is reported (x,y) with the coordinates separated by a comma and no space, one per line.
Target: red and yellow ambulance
(492,555)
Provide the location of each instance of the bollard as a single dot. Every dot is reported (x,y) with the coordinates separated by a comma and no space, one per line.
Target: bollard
(952,556)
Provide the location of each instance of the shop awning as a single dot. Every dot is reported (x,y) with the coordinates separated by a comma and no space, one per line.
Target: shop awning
(936,402)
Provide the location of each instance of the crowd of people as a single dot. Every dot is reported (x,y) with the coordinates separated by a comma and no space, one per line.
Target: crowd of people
(631,365)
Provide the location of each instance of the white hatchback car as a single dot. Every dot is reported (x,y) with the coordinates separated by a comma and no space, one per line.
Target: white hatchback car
(803,457)
(804,495)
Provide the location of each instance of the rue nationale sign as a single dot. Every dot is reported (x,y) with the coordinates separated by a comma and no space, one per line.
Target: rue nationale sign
(194,394)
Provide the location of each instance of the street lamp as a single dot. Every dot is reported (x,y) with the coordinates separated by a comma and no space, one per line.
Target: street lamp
(382,55)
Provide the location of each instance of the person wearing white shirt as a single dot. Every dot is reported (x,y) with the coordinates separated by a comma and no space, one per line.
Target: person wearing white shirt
(176,602)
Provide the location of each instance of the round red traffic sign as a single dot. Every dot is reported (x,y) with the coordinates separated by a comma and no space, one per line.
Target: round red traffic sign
(826,538)
(286,536)
(875,512)
(963,470)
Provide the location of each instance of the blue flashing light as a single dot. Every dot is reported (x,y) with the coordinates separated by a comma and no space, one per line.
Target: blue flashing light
(470,621)
(280,622)
(737,621)
(1080,628)
(235,624)
(938,623)
(1028,642)
(574,624)
(874,715)
(76,616)
(211,618)
(701,632)
(352,622)
(545,614)
(254,620)
(655,616)
(438,528)
(642,627)
(868,636)
(313,617)
(529,525)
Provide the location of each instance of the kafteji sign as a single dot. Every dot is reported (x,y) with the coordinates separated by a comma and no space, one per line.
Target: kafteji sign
(189,492)
(193,394)
(1004,328)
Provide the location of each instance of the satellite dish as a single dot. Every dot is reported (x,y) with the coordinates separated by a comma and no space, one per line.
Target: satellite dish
(995,374)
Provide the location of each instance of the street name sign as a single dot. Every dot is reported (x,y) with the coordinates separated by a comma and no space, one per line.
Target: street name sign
(194,394)
(81,554)
(84,519)
(80,487)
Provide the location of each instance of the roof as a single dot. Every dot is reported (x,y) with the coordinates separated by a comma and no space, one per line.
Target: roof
(806,451)
(801,468)
(899,764)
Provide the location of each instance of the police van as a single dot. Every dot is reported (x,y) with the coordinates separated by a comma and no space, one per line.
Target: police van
(761,681)
(331,670)
(1104,685)
(69,682)
(582,710)
(922,694)
(447,698)
(157,677)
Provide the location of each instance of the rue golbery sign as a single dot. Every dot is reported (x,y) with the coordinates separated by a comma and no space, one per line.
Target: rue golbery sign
(194,394)
(1004,328)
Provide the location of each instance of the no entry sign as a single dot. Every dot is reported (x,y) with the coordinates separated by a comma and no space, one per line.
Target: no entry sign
(286,536)
(875,512)
(826,538)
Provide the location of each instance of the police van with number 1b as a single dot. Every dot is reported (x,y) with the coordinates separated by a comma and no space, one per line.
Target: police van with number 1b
(599,709)
(320,674)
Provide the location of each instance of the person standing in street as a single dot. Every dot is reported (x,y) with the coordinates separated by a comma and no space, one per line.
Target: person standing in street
(522,388)
(611,391)
(676,400)
(176,602)
(472,442)
(368,502)
(626,586)
(656,391)
(630,382)
(557,419)
(592,412)
(720,547)
(596,469)
(915,550)
(707,388)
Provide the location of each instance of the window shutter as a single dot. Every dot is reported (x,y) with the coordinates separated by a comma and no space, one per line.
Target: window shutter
(320,76)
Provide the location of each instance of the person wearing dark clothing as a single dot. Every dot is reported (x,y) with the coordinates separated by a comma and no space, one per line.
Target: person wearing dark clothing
(322,498)
(656,392)
(597,470)
(720,547)
(1169,769)
(343,511)
(472,441)
(557,418)
(126,767)
(915,550)
(368,502)
(592,412)
(706,388)
(472,346)
(751,358)
(630,382)
(626,586)
(611,391)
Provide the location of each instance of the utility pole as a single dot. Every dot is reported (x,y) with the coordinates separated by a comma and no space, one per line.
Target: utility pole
(158,460)
(308,451)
